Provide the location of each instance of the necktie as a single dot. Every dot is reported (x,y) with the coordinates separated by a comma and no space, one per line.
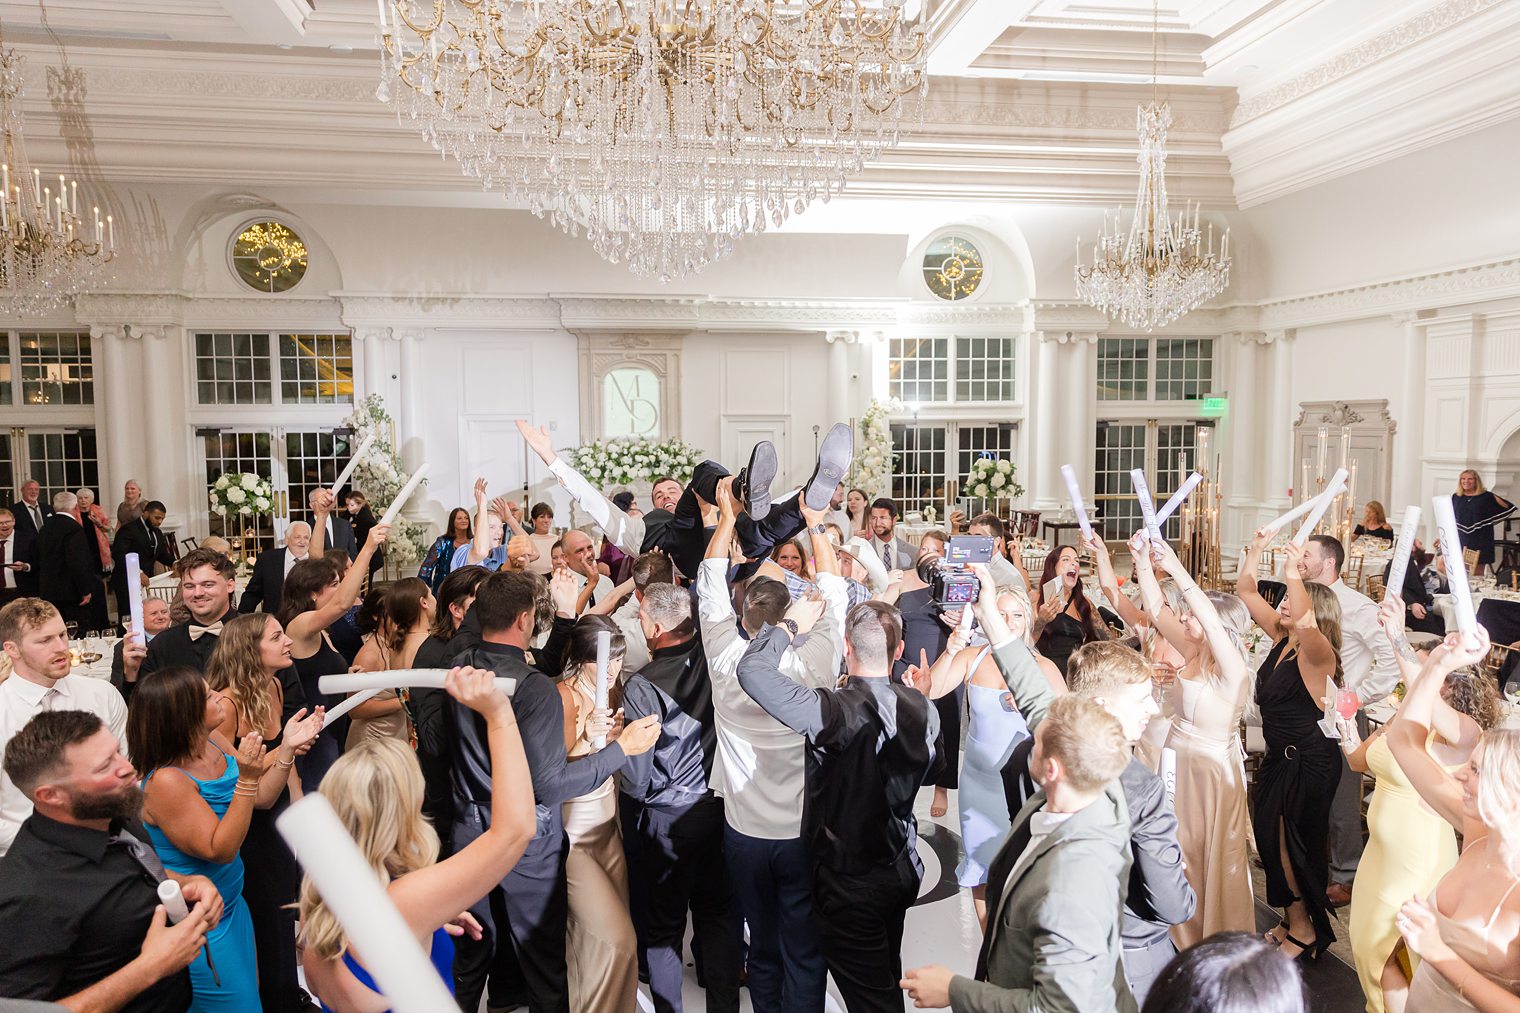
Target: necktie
(36,517)
(196,632)
(51,699)
(886,555)
(10,577)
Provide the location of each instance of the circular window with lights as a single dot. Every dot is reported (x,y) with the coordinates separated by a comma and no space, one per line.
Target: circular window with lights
(269,257)
(953,268)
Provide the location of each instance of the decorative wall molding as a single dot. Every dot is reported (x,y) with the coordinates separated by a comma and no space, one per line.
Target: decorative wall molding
(1480,282)
(1396,39)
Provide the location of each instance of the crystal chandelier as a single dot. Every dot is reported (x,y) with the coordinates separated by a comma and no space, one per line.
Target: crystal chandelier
(666,129)
(47,251)
(1161,267)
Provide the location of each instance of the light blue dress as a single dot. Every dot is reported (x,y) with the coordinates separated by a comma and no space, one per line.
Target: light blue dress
(231,942)
(994,730)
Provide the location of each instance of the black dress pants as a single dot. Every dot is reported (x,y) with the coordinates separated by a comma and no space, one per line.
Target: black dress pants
(860,927)
(529,918)
(685,538)
(675,865)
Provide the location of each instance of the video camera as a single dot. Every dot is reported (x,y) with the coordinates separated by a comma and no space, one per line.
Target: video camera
(950,579)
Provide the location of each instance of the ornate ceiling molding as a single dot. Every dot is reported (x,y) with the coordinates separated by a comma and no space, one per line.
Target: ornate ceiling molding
(1481,282)
(1396,39)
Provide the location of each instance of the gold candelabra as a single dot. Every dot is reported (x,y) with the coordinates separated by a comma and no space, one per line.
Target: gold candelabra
(1200,518)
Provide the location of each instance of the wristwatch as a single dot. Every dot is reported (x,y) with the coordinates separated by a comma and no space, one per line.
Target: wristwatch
(791,626)
(820,529)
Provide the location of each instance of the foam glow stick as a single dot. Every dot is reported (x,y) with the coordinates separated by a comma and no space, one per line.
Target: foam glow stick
(347,705)
(134,597)
(1147,506)
(398,678)
(603,649)
(404,495)
(1321,505)
(1169,774)
(1075,492)
(1401,552)
(1292,515)
(353,462)
(1178,497)
(173,900)
(352,892)
(1456,570)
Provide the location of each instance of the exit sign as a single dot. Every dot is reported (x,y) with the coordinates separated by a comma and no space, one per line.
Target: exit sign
(1214,407)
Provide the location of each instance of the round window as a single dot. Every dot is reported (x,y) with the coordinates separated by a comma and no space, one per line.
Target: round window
(952,267)
(269,257)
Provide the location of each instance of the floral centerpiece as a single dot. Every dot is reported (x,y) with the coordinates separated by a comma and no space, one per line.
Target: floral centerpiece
(871,471)
(242,494)
(628,461)
(380,475)
(992,478)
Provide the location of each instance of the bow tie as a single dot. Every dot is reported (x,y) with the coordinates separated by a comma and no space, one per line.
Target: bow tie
(196,632)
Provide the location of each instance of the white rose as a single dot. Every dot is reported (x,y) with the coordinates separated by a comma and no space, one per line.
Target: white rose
(221,483)
(250,481)
(236,495)
(1005,466)
(261,503)
(219,510)
(244,511)
(998,481)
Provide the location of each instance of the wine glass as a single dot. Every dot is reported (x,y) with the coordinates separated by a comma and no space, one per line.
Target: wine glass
(1347,703)
(73,628)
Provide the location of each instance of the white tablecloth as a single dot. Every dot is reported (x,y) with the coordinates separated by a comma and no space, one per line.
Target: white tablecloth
(100,669)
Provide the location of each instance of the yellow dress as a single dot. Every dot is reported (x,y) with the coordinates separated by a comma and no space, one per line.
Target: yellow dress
(1409,849)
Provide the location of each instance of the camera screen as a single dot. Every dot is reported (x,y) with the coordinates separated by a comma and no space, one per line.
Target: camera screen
(965,549)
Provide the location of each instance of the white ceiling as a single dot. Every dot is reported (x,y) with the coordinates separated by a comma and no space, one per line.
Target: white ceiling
(1030,100)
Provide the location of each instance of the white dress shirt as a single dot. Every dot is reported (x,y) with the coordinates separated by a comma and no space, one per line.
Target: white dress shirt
(20,701)
(635,647)
(1367,657)
(8,581)
(626,532)
(761,764)
(36,512)
(291,559)
(1041,825)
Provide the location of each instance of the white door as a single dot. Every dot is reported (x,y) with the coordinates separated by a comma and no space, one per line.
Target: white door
(490,447)
(741,435)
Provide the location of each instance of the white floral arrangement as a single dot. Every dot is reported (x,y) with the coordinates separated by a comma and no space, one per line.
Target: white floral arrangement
(607,463)
(242,494)
(380,476)
(871,471)
(992,478)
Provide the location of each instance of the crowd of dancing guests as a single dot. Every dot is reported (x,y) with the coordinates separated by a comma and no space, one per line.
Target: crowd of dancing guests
(782,682)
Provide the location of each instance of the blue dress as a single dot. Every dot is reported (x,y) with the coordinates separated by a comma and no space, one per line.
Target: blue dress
(231,942)
(995,728)
(442,956)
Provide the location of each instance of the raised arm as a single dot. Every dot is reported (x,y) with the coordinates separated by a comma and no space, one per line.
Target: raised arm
(1409,730)
(1108,580)
(1231,666)
(1452,725)
(1012,656)
(1157,614)
(321,508)
(627,533)
(801,709)
(309,624)
(480,545)
(1313,646)
(1262,614)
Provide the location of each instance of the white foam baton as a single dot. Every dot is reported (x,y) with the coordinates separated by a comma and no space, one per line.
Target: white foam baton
(173,900)
(134,598)
(1456,570)
(396,678)
(404,495)
(343,708)
(351,890)
(1400,563)
(1321,507)
(1178,498)
(1274,526)
(1075,491)
(603,651)
(353,462)
(1147,505)
(1169,774)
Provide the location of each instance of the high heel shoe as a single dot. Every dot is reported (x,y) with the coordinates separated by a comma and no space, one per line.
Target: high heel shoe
(1307,952)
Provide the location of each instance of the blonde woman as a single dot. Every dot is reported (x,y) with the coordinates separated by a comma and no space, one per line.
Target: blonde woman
(1374,522)
(1209,696)
(1302,767)
(1478,511)
(376,790)
(995,732)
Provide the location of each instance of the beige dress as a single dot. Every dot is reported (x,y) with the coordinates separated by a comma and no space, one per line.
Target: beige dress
(1430,992)
(1211,807)
(601,951)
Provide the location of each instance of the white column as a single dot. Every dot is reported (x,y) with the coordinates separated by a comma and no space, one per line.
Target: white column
(408,412)
(840,343)
(1409,442)
(168,471)
(375,378)
(1045,491)
(1245,424)
(1079,421)
(1280,464)
(116,395)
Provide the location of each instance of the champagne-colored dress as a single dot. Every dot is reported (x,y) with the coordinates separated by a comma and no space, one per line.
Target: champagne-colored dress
(1211,807)
(1409,849)
(1430,992)
(601,951)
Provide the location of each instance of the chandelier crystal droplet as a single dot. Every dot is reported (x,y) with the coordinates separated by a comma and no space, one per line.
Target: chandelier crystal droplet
(665,129)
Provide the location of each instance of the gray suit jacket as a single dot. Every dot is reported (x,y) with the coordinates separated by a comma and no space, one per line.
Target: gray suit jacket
(904,555)
(1053,917)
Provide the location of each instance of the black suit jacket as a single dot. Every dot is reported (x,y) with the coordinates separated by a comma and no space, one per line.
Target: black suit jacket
(266,583)
(343,535)
(68,565)
(136,537)
(24,516)
(24,550)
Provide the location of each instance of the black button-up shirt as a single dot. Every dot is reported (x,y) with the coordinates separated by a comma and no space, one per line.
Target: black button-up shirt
(675,685)
(174,647)
(74,908)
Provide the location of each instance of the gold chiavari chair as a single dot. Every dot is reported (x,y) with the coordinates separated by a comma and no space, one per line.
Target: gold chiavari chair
(1376,587)
(1354,572)
(1498,654)
(1470,560)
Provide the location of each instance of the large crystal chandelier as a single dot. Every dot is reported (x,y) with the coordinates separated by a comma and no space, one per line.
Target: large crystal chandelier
(48,252)
(1161,267)
(666,129)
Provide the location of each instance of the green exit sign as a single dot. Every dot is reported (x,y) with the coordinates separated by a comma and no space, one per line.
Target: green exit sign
(1215,407)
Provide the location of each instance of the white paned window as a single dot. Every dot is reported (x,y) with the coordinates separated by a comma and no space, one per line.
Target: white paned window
(1155,369)
(56,368)
(930,461)
(1166,451)
(237,368)
(953,370)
